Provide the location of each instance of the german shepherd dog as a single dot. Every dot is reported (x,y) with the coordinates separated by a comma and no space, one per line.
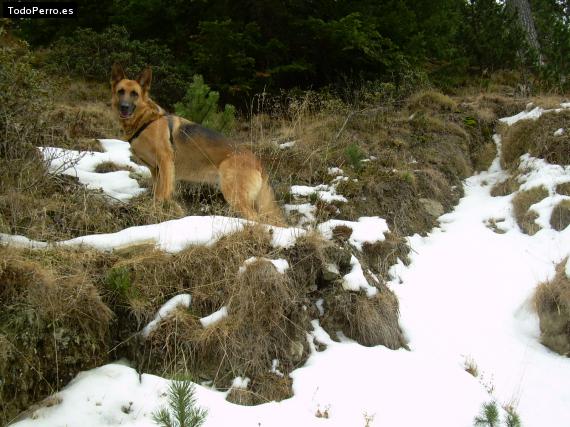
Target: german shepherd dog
(176,149)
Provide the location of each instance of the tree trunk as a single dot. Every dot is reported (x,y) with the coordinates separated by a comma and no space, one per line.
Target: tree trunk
(522,8)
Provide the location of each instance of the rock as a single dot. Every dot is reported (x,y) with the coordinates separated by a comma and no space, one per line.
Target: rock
(433,207)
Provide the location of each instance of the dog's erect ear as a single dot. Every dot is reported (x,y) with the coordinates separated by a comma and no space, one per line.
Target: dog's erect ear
(117,73)
(145,78)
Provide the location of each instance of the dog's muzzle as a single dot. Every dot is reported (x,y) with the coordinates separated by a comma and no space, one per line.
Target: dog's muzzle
(126,110)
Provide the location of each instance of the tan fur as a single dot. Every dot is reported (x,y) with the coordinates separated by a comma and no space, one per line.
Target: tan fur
(198,155)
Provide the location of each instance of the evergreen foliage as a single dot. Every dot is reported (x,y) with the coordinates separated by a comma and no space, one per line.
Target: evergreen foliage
(245,48)
(182,410)
(200,105)
(489,416)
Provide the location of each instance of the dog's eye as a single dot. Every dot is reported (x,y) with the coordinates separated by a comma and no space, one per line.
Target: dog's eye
(121,91)
(134,94)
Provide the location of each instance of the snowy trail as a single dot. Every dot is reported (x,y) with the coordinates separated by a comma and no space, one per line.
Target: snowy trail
(467,294)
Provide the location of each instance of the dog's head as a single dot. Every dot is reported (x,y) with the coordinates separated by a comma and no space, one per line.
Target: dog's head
(128,95)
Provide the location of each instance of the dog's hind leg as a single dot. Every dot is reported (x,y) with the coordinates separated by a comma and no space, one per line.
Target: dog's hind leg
(267,207)
(240,187)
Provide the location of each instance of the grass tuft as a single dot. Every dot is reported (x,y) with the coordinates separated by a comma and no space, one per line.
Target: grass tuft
(552,303)
(560,217)
(537,138)
(522,202)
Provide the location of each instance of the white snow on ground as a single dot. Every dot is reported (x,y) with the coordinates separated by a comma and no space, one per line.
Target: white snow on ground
(355,280)
(182,300)
(466,295)
(240,382)
(324,192)
(539,173)
(171,236)
(288,144)
(305,210)
(368,229)
(82,164)
(559,132)
(280,264)
(523,115)
(335,171)
(215,317)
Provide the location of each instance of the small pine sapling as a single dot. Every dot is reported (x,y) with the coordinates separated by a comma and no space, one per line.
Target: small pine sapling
(489,416)
(182,410)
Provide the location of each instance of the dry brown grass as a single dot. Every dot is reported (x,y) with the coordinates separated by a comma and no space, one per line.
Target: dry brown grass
(470,366)
(380,256)
(426,156)
(522,202)
(506,187)
(266,388)
(431,100)
(560,217)
(563,188)
(370,321)
(268,319)
(107,167)
(537,138)
(548,102)
(268,316)
(552,302)
(83,121)
(54,324)
(59,208)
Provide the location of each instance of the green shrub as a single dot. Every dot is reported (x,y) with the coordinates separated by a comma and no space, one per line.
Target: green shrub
(200,105)
(355,155)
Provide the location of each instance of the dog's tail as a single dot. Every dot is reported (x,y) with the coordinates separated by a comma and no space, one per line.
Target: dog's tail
(267,208)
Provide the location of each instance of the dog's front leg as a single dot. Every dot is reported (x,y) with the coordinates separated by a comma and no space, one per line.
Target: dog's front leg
(164,179)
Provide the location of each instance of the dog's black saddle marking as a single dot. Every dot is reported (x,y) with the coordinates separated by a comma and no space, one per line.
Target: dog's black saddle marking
(191,131)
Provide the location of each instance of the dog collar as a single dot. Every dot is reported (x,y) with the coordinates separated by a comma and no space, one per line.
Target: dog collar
(139,131)
(143,127)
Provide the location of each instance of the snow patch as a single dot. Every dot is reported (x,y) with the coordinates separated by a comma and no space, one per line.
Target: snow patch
(324,192)
(306,210)
(355,280)
(533,114)
(280,264)
(170,236)
(182,300)
(215,317)
(288,144)
(275,368)
(335,171)
(368,229)
(82,164)
(240,383)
